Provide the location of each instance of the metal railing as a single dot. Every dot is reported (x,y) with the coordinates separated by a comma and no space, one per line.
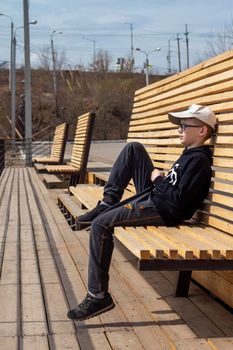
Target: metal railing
(13,152)
(2,155)
(41,142)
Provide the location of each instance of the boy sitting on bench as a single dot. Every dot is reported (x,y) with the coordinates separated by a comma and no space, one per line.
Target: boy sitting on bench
(159,200)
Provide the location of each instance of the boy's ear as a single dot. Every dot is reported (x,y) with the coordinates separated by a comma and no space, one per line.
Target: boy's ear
(203,131)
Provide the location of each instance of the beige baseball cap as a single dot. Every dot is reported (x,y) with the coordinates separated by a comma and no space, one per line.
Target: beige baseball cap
(202,113)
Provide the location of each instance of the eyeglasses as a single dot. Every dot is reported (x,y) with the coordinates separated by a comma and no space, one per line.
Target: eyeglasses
(183,126)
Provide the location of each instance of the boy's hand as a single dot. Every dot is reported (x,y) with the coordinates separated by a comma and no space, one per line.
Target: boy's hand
(155,173)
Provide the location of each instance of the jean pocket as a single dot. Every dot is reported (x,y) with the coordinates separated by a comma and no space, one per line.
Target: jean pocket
(148,203)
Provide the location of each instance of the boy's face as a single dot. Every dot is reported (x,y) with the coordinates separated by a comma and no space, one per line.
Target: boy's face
(191,132)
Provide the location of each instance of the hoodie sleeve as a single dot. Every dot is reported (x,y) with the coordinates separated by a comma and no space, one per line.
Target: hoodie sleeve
(194,179)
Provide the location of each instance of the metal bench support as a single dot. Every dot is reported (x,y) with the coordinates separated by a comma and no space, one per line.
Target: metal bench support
(182,284)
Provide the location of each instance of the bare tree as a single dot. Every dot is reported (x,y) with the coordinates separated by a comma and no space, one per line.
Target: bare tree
(102,62)
(60,60)
(44,58)
(222,41)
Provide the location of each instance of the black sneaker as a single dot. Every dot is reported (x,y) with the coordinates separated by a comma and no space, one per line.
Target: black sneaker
(91,307)
(92,214)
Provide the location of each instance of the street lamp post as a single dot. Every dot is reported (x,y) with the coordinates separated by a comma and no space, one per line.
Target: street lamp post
(27,85)
(13,77)
(11,48)
(178,49)
(94,53)
(147,61)
(11,81)
(54,32)
(169,55)
(131,40)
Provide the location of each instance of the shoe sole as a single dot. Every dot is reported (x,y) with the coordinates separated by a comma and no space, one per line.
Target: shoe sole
(82,225)
(107,308)
(83,222)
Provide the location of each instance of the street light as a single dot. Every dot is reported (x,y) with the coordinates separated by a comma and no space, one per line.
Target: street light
(11,48)
(53,33)
(131,37)
(178,49)
(34,21)
(27,85)
(13,82)
(94,55)
(147,61)
(169,54)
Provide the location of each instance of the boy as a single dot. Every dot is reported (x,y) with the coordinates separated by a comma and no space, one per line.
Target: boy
(159,200)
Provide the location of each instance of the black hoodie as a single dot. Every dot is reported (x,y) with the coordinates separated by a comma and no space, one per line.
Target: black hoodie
(180,193)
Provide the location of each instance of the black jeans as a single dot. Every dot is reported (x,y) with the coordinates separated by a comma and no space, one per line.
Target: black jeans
(139,210)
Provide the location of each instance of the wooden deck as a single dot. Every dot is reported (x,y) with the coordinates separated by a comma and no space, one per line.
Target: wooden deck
(44,273)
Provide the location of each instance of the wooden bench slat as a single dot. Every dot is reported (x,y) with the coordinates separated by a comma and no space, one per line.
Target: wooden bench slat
(132,244)
(223,175)
(215,247)
(177,236)
(158,248)
(218,223)
(88,198)
(185,99)
(217,83)
(221,199)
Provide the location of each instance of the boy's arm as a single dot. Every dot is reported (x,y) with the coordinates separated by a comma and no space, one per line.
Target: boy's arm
(194,178)
(155,173)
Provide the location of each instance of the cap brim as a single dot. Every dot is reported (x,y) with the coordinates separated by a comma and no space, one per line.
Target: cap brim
(175,117)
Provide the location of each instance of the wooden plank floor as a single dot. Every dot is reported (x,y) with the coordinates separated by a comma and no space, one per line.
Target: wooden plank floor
(44,272)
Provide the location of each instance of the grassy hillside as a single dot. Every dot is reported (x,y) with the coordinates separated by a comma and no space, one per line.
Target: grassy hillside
(110,95)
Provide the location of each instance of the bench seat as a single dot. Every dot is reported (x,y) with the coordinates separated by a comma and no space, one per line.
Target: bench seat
(187,241)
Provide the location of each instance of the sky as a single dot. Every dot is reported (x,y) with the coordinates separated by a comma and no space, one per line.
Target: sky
(106,25)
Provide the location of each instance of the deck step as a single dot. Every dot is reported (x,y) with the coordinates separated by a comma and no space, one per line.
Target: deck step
(52,181)
(70,209)
(87,195)
(40,168)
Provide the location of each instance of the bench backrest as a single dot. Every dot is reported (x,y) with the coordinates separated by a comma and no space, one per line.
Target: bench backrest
(59,142)
(82,142)
(208,83)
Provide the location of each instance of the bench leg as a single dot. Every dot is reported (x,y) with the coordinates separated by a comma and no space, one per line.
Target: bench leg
(182,284)
(74,179)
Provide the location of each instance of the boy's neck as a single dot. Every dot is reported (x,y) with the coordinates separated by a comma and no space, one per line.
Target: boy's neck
(196,144)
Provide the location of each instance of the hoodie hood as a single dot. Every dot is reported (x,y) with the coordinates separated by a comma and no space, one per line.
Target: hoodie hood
(202,149)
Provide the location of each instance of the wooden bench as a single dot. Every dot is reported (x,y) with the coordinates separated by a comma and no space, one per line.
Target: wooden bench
(75,171)
(57,151)
(205,243)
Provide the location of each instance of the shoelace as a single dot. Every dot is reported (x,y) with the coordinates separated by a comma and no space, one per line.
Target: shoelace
(85,303)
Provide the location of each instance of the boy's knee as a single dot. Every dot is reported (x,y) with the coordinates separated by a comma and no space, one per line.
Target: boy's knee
(134,146)
(98,221)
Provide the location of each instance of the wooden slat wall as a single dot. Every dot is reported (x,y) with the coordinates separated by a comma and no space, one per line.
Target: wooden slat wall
(58,146)
(58,142)
(80,140)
